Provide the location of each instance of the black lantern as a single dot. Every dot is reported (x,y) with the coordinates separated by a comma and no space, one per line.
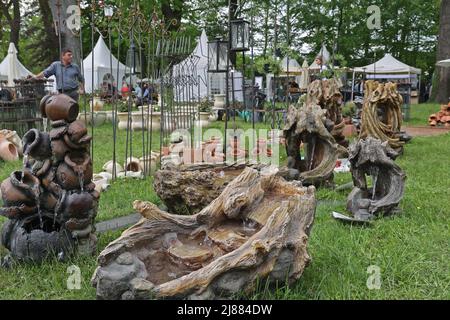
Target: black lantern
(217,55)
(133,61)
(240,35)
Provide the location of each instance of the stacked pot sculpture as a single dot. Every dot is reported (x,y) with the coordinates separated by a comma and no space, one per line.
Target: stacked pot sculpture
(52,203)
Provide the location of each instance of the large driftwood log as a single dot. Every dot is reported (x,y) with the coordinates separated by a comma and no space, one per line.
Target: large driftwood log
(381,115)
(257,229)
(327,94)
(307,125)
(190,188)
(374,158)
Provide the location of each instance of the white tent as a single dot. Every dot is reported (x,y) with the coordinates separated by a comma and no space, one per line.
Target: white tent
(100,70)
(326,56)
(290,66)
(388,65)
(196,66)
(11,68)
(444,63)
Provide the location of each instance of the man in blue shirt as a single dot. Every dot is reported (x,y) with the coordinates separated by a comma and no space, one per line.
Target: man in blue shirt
(69,79)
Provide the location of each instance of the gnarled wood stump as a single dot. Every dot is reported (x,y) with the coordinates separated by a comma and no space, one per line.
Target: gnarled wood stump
(189,189)
(372,157)
(326,93)
(307,125)
(257,229)
(381,115)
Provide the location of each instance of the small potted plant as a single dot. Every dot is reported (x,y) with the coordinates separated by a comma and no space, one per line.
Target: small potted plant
(122,115)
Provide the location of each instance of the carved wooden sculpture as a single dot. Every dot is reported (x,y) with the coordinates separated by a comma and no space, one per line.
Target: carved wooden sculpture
(372,157)
(307,125)
(381,115)
(257,229)
(326,93)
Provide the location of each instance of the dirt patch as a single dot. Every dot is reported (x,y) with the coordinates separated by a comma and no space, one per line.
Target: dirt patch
(426,131)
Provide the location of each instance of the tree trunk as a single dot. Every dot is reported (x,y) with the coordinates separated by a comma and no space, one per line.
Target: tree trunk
(69,39)
(172,12)
(442,86)
(51,40)
(14,21)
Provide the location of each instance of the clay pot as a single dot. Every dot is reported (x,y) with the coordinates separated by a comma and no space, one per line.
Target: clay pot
(14,138)
(109,166)
(133,164)
(60,107)
(219,101)
(17,191)
(60,149)
(37,145)
(8,151)
(97,104)
(74,171)
(78,205)
(48,201)
(150,161)
(192,155)
(76,131)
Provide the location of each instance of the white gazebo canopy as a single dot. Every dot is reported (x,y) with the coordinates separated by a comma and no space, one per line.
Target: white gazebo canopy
(290,66)
(11,68)
(444,63)
(100,69)
(196,66)
(388,65)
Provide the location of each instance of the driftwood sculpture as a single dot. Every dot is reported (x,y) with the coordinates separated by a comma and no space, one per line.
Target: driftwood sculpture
(307,125)
(374,158)
(257,229)
(327,94)
(381,115)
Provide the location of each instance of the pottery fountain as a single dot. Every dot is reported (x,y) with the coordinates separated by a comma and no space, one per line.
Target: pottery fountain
(256,230)
(52,203)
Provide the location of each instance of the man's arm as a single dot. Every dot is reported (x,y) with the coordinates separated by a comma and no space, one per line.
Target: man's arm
(50,71)
(81,80)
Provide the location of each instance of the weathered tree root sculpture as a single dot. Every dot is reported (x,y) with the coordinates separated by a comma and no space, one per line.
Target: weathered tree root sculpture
(307,125)
(190,188)
(381,115)
(327,94)
(376,159)
(256,229)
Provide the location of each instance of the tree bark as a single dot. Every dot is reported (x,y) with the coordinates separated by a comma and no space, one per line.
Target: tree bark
(14,21)
(69,39)
(442,88)
(51,39)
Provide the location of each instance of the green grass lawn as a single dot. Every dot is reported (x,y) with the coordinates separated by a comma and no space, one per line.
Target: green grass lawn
(411,249)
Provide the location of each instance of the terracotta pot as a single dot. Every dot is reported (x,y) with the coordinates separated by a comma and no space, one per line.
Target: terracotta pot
(78,205)
(18,190)
(76,170)
(150,162)
(192,155)
(59,149)
(48,201)
(76,131)
(165,151)
(60,107)
(37,145)
(14,138)
(97,104)
(109,166)
(8,151)
(133,164)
